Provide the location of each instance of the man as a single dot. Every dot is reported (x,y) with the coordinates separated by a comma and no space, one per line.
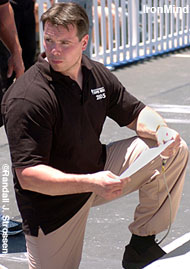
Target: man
(54,117)
(8,34)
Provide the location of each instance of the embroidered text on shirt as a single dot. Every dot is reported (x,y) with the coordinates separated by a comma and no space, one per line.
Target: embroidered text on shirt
(99,93)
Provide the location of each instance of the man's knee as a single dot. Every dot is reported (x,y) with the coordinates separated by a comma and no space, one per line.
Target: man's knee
(183,151)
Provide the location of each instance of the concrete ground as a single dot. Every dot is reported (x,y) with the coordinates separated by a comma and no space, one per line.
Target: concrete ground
(164,84)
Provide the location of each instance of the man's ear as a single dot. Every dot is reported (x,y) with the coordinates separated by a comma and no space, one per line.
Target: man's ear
(85,42)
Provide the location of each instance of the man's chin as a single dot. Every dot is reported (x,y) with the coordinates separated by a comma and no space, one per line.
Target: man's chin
(56,68)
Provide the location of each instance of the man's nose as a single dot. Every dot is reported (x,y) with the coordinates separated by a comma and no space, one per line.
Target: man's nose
(56,50)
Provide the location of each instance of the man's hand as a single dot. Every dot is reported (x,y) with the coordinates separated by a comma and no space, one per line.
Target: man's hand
(107,185)
(15,63)
(165,134)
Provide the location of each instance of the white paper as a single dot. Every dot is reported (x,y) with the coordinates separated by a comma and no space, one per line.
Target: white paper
(144,158)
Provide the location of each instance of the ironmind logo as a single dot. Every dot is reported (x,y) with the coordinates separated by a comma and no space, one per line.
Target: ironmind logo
(166,9)
(99,93)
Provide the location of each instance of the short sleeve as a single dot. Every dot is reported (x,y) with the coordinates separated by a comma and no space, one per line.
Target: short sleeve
(29,132)
(123,106)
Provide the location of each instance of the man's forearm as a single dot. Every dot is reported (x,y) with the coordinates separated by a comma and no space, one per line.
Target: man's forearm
(47,180)
(50,181)
(8,31)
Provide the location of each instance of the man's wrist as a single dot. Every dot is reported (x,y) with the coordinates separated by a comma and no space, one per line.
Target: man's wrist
(16,49)
(160,126)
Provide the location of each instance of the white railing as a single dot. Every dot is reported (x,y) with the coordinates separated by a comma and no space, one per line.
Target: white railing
(126,31)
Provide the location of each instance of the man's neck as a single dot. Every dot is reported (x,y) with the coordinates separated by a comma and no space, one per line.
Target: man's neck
(77,75)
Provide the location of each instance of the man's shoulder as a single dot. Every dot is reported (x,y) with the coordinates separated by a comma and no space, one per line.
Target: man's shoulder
(90,63)
(30,95)
(99,70)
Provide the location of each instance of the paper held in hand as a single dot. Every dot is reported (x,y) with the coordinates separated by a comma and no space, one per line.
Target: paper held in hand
(146,157)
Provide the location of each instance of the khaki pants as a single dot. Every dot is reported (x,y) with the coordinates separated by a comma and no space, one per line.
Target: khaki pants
(62,248)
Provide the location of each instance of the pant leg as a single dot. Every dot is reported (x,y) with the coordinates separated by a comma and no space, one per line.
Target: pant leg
(120,155)
(152,215)
(62,248)
(153,200)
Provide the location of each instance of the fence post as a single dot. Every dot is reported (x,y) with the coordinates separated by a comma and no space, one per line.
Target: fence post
(167,27)
(41,10)
(133,19)
(110,31)
(135,27)
(161,28)
(124,28)
(188,24)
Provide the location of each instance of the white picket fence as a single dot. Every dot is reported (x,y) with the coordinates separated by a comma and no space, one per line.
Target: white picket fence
(126,31)
(43,5)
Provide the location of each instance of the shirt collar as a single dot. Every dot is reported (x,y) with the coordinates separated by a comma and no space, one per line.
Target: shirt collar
(50,74)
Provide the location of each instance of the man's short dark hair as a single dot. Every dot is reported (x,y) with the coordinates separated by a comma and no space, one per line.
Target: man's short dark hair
(68,14)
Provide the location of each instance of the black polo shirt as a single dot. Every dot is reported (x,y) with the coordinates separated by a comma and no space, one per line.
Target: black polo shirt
(50,120)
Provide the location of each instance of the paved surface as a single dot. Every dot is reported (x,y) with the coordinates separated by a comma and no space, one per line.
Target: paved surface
(163,83)
(178,255)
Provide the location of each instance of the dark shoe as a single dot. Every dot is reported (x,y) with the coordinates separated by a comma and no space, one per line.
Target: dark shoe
(10,227)
(134,260)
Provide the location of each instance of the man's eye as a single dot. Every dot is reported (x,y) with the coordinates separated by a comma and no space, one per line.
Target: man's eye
(48,40)
(65,43)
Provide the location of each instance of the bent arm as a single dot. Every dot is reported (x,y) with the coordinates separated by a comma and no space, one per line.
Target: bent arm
(8,34)
(150,124)
(147,123)
(47,180)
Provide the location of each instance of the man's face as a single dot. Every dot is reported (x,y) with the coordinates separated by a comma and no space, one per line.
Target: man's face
(63,48)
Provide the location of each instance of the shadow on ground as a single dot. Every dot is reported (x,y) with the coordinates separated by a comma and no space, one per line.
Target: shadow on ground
(16,243)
